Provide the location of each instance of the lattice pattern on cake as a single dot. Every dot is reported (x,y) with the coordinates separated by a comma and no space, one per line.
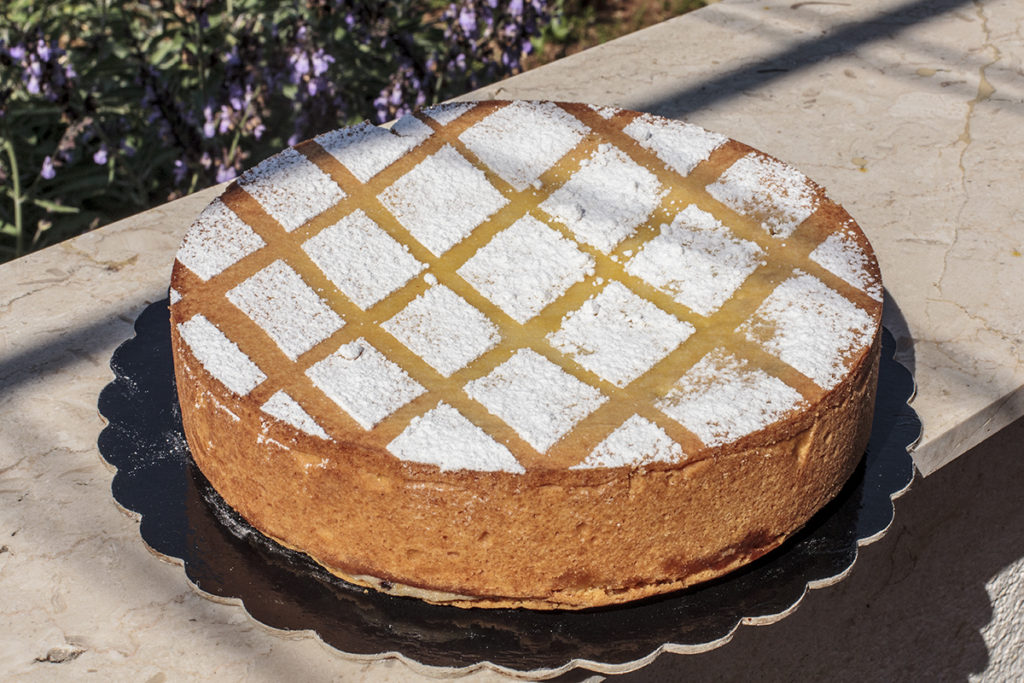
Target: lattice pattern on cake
(632,291)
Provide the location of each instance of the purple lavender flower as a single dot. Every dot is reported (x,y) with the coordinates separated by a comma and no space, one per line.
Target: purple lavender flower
(235,96)
(467,20)
(48,171)
(16,52)
(100,156)
(209,125)
(225,119)
(321,62)
(180,169)
(225,173)
(300,63)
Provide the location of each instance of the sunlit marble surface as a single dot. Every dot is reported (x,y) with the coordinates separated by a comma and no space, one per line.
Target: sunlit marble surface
(909,112)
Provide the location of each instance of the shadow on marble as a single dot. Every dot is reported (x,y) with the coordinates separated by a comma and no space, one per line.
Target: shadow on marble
(915,606)
(92,342)
(896,323)
(750,77)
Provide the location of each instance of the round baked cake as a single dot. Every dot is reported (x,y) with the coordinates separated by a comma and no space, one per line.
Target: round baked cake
(526,354)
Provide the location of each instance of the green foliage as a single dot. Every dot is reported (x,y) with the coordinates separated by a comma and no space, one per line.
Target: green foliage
(107,108)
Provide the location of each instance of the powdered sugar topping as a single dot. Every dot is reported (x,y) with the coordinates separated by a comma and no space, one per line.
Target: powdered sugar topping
(605,112)
(220,356)
(634,443)
(610,334)
(368,387)
(523,139)
(696,260)
(618,335)
(680,145)
(448,112)
(767,190)
(291,188)
(287,409)
(841,255)
(366,150)
(445,438)
(605,201)
(538,399)
(526,267)
(278,300)
(443,329)
(723,398)
(216,240)
(811,327)
(442,200)
(361,259)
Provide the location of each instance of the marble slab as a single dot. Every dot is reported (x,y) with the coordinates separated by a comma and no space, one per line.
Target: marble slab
(909,112)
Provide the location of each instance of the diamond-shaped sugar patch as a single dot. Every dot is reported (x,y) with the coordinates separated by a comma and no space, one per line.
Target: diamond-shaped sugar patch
(604,112)
(723,398)
(841,255)
(364,383)
(286,308)
(526,267)
(442,200)
(443,329)
(680,145)
(220,356)
(366,150)
(287,409)
(523,139)
(635,442)
(606,199)
(362,260)
(767,190)
(449,111)
(445,438)
(811,327)
(618,335)
(538,399)
(696,260)
(216,240)
(291,188)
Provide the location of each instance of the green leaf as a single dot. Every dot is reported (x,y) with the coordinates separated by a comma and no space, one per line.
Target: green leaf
(54,207)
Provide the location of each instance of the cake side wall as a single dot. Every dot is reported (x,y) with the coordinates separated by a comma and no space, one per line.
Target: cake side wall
(540,539)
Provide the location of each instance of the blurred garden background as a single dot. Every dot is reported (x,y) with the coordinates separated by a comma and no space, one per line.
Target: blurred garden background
(108,108)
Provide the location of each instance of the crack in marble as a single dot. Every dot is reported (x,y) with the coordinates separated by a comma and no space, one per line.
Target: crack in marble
(12,466)
(105,264)
(983,324)
(985,92)
(6,306)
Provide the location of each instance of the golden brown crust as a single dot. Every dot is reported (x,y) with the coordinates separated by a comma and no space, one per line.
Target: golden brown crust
(552,537)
